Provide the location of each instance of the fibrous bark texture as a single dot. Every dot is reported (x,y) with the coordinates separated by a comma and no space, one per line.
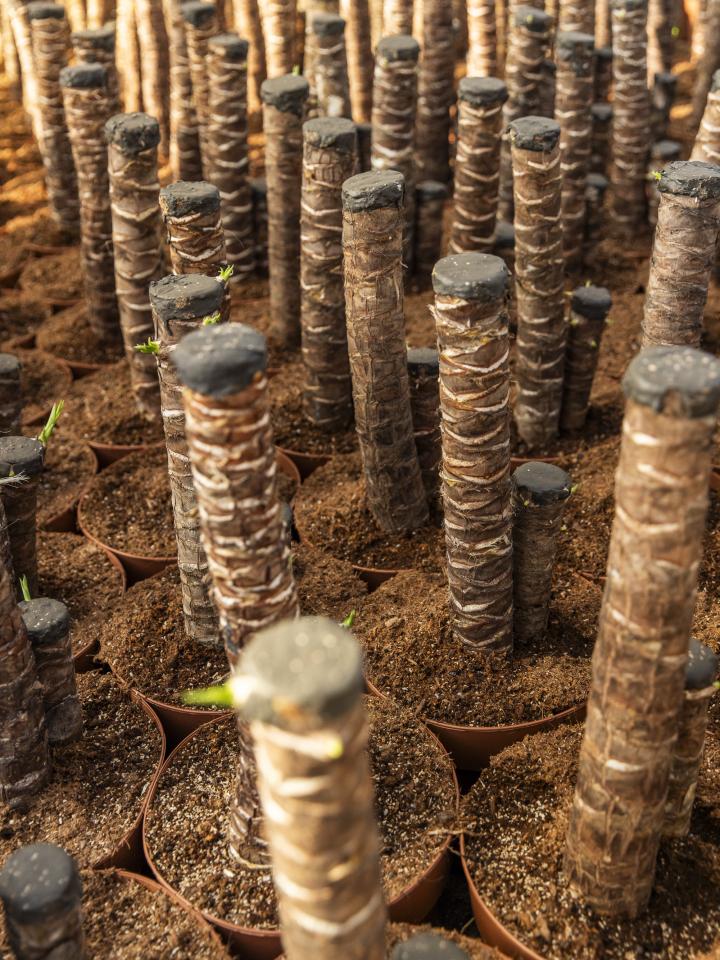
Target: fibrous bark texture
(575,80)
(330,69)
(372,245)
(248,26)
(595,192)
(87,108)
(662,153)
(660,42)
(153,43)
(51,44)
(540,492)
(10,397)
(477,164)
(128,56)
(547,88)
(589,308)
(195,235)
(603,26)
(330,158)
(683,254)
(393,121)
(136,231)
(20,25)
(258,187)
(226,153)
(435,91)
(601,115)
(98,46)
(631,115)
(21,463)
(359,57)
(10,61)
(482,58)
(98,12)
(24,761)
(423,371)
(542,330)
(397,17)
(603,73)
(709,62)
(430,197)
(278,27)
(201,23)
(474,347)
(184,136)
(318,801)
(699,32)
(707,141)
(283,103)
(661,499)
(577,16)
(663,93)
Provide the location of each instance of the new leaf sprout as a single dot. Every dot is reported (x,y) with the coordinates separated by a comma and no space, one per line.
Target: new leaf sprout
(150,346)
(212,319)
(225,273)
(349,620)
(47,430)
(25,589)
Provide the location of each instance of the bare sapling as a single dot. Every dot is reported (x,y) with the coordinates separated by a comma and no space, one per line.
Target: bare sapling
(22,37)
(153,44)
(184,132)
(193,222)
(683,254)
(589,309)
(364,134)
(482,59)
(707,141)
(428,946)
(601,147)
(98,46)
(10,61)
(424,373)
(639,662)
(430,197)
(51,44)
(662,98)
(436,90)
(249,27)
(473,343)
(547,89)
(358,42)
(128,55)
(397,17)
(88,106)
(21,463)
(278,27)
(47,623)
(283,105)
(540,493)
(41,891)
(504,246)
(258,188)
(661,153)
(477,163)
(330,158)
(709,62)
(133,140)
(603,72)
(179,305)
(201,23)
(300,686)
(595,193)
(330,68)
(576,16)
(539,278)
(660,39)
(373,218)
(10,396)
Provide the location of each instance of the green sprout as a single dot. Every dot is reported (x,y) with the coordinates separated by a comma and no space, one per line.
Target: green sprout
(296,70)
(218,696)
(349,620)
(655,175)
(47,430)
(150,346)
(573,488)
(212,319)
(25,589)
(675,32)
(225,273)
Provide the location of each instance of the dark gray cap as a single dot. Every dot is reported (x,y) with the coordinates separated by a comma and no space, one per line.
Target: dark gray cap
(38,882)
(220,360)
(702,666)
(532,19)
(691,178)
(431,190)
(542,483)
(665,79)
(423,360)
(258,186)
(602,112)
(576,49)
(21,455)
(603,53)
(534,133)
(102,38)
(400,47)
(327,24)
(287,94)
(187,297)
(84,76)
(230,45)
(373,190)
(504,235)
(286,513)
(39,10)
(186,197)
(10,366)
(428,946)
(666,150)
(46,620)
(677,381)
(336,133)
(482,91)
(471,276)
(301,673)
(591,302)
(197,14)
(597,181)
(133,132)
(629,6)
(715,85)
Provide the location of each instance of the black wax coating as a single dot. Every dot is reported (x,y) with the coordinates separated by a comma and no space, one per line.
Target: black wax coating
(84,76)
(185,197)
(220,360)
(287,94)
(337,133)
(482,91)
(133,132)
(400,47)
(373,190)
(592,302)
(21,455)
(542,483)
(471,276)
(185,297)
(538,134)
(679,381)
(38,881)
(691,178)
(46,620)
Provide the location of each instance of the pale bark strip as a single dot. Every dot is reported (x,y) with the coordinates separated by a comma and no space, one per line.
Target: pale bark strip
(397,17)
(278,27)
(707,141)
(640,656)
(660,41)
(603,25)
(11,63)
(436,91)
(184,136)
(10,397)
(332,86)
(128,56)
(155,75)
(589,308)
(482,59)
(474,347)
(201,23)
(360,57)
(249,27)
(20,25)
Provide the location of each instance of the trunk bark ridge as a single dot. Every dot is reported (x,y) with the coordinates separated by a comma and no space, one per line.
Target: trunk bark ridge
(436,85)
(589,308)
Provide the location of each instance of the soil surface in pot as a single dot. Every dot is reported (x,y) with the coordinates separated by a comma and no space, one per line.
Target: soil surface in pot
(57,276)
(98,783)
(70,465)
(291,428)
(20,314)
(102,408)
(187,824)
(73,570)
(43,381)
(516,818)
(143,637)
(412,656)
(68,335)
(400,932)
(331,512)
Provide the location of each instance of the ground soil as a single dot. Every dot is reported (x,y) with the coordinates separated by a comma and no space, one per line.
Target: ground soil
(20,316)
(98,783)
(67,334)
(186,828)
(143,637)
(516,819)
(70,465)
(332,513)
(73,570)
(56,277)
(43,380)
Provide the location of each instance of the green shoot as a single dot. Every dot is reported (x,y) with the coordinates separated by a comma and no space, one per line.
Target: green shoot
(47,430)
(225,273)
(573,488)
(655,175)
(212,319)
(675,32)
(349,620)
(150,346)
(25,589)
(296,70)
(219,696)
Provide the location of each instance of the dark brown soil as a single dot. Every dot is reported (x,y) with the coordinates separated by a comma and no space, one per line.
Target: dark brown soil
(73,570)
(143,638)
(128,505)
(20,315)
(70,465)
(291,429)
(67,335)
(186,827)
(54,277)
(98,783)
(251,306)
(412,657)
(516,816)
(44,380)
(331,512)
(102,408)
(400,932)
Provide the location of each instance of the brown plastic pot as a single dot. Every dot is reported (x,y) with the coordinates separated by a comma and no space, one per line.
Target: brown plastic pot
(108,453)
(306,463)
(410,906)
(65,520)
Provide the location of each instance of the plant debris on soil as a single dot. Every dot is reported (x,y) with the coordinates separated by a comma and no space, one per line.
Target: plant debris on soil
(187,822)
(516,819)
(98,783)
(68,335)
(69,467)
